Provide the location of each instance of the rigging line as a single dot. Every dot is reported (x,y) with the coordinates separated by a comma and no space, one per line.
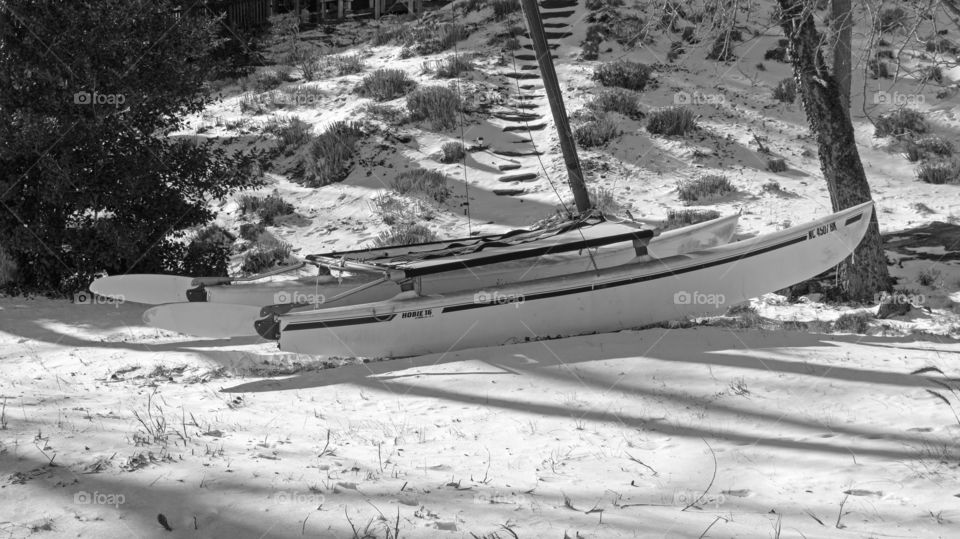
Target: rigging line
(463,145)
(521,113)
(526,123)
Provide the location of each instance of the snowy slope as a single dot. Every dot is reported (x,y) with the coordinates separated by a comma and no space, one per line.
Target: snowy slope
(704,431)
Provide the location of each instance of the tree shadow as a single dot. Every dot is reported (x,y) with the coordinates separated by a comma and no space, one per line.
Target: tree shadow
(107,327)
(564,360)
(242,507)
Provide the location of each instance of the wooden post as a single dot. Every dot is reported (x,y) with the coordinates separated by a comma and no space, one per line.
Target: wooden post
(555,98)
(409,6)
(376,9)
(339,9)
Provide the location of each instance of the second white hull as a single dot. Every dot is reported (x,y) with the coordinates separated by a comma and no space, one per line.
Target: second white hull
(232,310)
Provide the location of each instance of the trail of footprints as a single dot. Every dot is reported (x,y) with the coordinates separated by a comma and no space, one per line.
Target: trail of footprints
(523,111)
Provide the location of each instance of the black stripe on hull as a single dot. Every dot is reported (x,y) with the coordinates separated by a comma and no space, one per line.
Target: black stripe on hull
(341,322)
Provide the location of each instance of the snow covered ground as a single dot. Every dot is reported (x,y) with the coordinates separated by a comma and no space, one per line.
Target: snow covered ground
(712,431)
(636,434)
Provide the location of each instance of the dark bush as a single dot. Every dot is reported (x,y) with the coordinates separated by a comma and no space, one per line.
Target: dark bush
(921,148)
(591,43)
(267,80)
(776,165)
(386,84)
(437,104)
(853,322)
(345,64)
(891,19)
(676,49)
(722,49)
(623,74)
(941,45)
(502,8)
(452,66)
(384,113)
(772,186)
(628,30)
(208,253)
(621,100)
(471,5)
(900,123)
(251,231)
(940,172)
(603,200)
(453,152)
(291,132)
(420,181)
(264,256)
(596,5)
(704,188)
(677,120)
(328,158)
(879,69)
(686,217)
(596,130)
(404,234)
(432,38)
(785,90)
(267,208)
(777,54)
(932,73)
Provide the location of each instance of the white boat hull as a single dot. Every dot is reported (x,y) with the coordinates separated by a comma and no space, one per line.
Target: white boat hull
(232,310)
(622,297)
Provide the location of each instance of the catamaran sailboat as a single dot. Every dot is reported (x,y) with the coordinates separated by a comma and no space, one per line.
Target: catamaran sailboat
(580,277)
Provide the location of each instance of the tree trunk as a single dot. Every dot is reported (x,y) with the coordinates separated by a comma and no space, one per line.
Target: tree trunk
(842,30)
(864,274)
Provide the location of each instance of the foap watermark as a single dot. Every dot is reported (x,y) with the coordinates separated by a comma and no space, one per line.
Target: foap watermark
(89,298)
(685,498)
(99,498)
(496,298)
(900,298)
(279,99)
(293,296)
(96,98)
(897,99)
(698,98)
(699,298)
(284,497)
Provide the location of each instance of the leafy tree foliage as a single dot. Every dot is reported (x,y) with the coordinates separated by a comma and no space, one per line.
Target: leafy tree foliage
(90,178)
